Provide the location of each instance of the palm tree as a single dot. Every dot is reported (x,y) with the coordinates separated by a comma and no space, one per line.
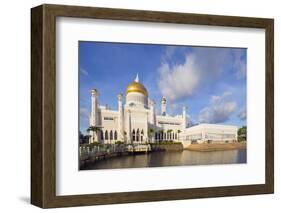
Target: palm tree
(95,130)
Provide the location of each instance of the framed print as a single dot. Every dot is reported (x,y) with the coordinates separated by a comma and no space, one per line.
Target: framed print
(136,106)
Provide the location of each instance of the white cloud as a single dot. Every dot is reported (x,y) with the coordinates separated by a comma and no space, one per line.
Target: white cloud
(178,81)
(84,72)
(219,110)
(200,67)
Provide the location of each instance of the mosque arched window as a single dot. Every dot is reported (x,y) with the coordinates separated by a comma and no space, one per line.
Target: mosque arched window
(134,135)
(115,135)
(111,135)
(138,135)
(106,135)
(164,136)
(101,135)
(141,137)
(173,136)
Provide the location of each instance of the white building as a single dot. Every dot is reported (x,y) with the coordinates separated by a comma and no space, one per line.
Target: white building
(136,121)
(210,133)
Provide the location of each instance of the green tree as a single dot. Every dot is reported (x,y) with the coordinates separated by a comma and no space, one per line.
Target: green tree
(81,134)
(242,133)
(81,137)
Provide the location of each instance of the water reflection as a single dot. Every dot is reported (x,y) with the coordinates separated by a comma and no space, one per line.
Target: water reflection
(158,159)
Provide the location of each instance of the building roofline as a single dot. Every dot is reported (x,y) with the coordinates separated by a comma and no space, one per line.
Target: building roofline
(213,125)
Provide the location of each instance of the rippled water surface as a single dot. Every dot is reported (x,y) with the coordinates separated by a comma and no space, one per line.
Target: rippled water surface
(180,158)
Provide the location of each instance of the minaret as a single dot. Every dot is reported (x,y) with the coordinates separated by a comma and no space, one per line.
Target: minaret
(152,113)
(129,130)
(163,106)
(120,118)
(183,118)
(94,115)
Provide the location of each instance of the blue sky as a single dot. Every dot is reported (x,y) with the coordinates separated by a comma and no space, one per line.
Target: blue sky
(210,81)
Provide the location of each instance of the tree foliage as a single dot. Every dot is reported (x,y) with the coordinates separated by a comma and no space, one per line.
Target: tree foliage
(94,129)
(242,133)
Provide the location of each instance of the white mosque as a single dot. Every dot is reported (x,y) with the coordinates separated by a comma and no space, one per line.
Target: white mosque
(136,121)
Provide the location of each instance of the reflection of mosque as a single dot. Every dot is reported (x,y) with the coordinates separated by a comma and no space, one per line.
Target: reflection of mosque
(136,121)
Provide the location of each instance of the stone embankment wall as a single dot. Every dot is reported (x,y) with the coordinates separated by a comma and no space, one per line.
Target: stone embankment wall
(166,147)
(216,147)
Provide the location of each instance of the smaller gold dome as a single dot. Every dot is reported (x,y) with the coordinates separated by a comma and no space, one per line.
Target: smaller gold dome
(136,87)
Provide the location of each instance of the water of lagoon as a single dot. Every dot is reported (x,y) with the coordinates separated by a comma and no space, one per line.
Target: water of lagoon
(176,158)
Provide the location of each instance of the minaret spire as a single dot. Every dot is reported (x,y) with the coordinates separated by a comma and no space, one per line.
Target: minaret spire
(137,78)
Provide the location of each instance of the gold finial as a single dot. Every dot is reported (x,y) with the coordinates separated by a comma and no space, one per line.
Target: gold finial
(137,78)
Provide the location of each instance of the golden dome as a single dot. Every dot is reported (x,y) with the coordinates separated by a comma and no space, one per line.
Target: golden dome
(136,87)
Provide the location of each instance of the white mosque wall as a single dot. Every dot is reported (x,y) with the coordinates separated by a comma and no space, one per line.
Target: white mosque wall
(136,99)
(168,128)
(109,124)
(138,126)
(169,122)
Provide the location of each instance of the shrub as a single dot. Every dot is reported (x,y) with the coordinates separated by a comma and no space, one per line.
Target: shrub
(95,143)
(119,142)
